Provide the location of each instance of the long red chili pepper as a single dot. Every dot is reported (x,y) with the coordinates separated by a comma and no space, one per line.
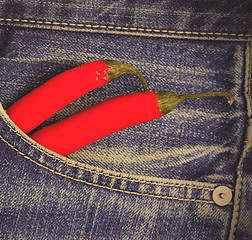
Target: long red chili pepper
(40,104)
(110,116)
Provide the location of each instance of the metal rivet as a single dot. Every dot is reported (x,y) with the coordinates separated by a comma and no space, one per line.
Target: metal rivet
(222,195)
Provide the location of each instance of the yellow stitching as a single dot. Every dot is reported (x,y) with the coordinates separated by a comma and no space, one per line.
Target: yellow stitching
(56,23)
(250,69)
(105,187)
(239,201)
(180,32)
(242,164)
(125,28)
(249,86)
(105,174)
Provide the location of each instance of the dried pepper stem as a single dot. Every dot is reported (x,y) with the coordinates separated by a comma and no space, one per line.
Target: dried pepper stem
(169,101)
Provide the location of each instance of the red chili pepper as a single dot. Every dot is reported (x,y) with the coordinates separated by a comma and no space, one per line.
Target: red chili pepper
(110,116)
(40,104)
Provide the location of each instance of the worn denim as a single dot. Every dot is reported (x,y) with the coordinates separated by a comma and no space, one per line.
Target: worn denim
(151,181)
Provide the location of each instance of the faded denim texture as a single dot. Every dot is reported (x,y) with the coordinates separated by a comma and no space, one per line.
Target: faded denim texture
(151,181)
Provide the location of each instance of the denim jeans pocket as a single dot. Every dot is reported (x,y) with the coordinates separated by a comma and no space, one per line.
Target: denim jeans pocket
(41,186)
(156,180)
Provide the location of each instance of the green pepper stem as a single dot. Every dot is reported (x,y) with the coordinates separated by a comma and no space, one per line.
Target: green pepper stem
(118,68)
(208,94)
(130,69)
(168,101)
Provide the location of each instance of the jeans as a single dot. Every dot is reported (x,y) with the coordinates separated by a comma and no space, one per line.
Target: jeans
(155,180)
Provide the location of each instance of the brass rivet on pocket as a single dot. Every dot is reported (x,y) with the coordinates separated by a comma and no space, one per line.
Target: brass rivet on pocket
(222,195)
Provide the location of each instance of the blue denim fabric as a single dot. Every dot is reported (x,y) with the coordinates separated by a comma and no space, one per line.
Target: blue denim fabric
(151,181)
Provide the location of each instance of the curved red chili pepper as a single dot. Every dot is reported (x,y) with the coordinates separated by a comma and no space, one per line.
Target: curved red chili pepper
(40,104)
(110,116)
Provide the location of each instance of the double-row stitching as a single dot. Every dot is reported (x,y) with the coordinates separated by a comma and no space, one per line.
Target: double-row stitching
(96,26)
(105,174)
(239,187)
(239,201)
(105,187)
(249,85)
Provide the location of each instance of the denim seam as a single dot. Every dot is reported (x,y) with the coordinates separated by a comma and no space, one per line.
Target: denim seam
(105,187)
(237,204)
(238,187)
(249,84)
(104,174)
(148,30)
